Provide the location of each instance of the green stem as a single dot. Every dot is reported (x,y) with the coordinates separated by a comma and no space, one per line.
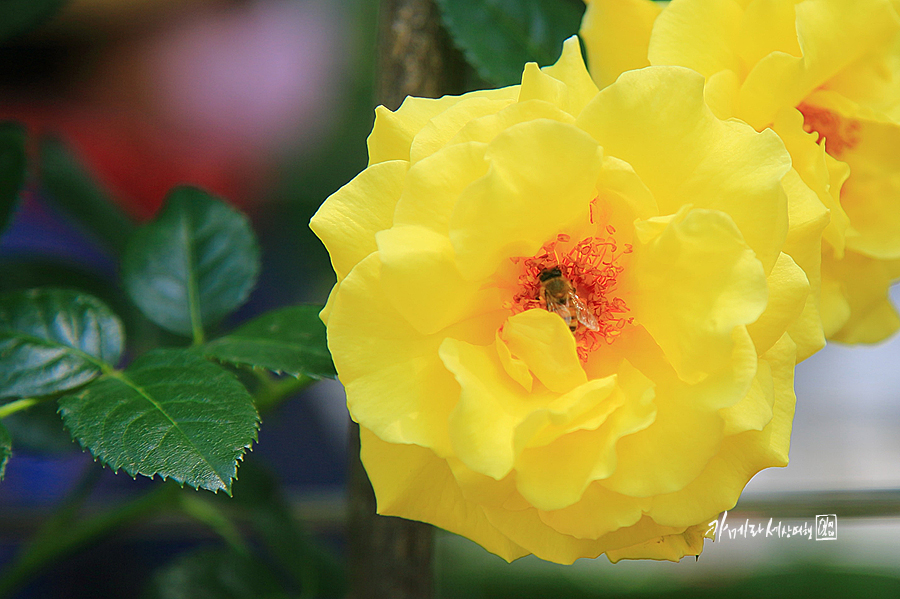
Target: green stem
(55,541)
(18,405)
(207,513)
(27,402)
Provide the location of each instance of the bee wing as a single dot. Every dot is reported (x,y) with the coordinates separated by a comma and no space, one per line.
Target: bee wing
(562,310)
(584,316)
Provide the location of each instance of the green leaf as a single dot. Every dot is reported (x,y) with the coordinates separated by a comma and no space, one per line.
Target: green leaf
(52,340)
(290,340)
(499,36)
(193,265)
(12,168)
(19,16)
(73,190)
(171,413)
(215,574)
(5,450)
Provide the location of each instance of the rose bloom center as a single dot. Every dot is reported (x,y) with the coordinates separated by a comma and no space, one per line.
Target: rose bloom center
(590,268)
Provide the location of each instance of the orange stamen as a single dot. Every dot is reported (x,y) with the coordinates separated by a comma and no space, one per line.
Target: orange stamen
(591,266)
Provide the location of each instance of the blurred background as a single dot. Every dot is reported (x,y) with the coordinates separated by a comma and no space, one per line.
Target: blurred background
(267,104)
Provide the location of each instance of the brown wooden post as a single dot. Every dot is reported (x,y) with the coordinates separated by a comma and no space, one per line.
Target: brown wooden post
(415,54)
(391,558)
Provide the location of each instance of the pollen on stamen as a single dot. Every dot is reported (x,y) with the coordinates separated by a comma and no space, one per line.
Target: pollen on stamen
(837,133)
(592,267)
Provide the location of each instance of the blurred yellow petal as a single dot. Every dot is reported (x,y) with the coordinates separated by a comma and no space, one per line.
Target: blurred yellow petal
(616,34)
(871,196)
(788,290)
(831,36)
(706,44)
(863,283)
(819,172)
(670,547)
(836,309)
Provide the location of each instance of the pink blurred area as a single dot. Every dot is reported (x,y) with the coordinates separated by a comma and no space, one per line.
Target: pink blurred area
(208,93)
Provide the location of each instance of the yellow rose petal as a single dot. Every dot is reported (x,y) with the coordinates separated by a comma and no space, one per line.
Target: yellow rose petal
(542,176)
(348,220)
(542,340)
(394,131)
(831,35)
(788,290)
(616,34)
(698,260)
(741,455)
(685,155)
(434,184)
(598,512)
(444,126)
(422,281)
(572,73)
(491,406)
(705,45)
(670,547)
(423,488)
(669,453)
(864,284)
(395,381)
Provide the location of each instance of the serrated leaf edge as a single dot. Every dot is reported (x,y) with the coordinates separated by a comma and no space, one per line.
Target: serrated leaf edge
(226,485)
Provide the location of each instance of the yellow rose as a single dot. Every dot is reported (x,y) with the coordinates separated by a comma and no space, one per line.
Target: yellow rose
(564,318)
(825,75)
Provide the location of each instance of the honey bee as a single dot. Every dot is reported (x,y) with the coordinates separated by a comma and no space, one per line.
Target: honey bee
(561,299)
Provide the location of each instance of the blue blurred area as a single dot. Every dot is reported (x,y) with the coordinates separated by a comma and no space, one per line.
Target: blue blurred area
(38,231)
